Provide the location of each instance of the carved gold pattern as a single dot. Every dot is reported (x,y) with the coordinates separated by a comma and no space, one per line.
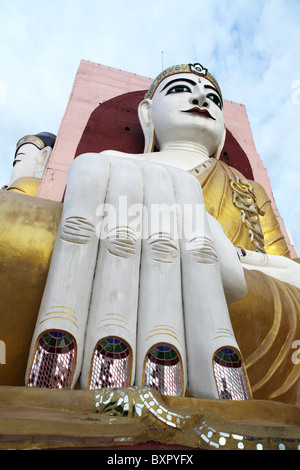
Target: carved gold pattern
(243,198)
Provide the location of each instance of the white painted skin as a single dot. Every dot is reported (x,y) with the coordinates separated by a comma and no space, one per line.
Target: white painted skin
(30,161)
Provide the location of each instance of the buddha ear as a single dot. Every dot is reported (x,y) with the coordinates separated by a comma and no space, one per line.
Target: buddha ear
(41,161)
(217,153)
(145,118)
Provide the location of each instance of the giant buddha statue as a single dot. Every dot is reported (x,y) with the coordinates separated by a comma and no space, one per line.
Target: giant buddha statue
(31,157)
(131,285)
(168,268)
(123,295)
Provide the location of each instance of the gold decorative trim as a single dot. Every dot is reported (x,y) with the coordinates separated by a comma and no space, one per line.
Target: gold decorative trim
(196,68)
(244,200)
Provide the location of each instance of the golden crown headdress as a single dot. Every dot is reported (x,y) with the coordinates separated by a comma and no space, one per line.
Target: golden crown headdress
(197,69)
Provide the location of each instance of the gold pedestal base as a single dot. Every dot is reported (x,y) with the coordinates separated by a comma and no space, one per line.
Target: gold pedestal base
(33,418)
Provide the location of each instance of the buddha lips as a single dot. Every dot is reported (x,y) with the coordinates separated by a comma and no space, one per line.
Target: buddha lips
(200,112)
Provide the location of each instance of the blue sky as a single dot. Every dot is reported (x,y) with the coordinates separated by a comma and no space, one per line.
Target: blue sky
(251,47)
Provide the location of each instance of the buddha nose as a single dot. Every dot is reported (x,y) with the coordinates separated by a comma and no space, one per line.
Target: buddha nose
(198,98)
(202,104)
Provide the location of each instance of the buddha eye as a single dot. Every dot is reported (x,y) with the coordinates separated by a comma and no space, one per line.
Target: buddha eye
(215,99)
(179,89)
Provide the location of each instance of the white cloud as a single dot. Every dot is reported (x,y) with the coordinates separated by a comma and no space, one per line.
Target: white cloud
(251,47)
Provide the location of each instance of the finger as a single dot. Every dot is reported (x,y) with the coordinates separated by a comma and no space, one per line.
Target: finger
(66,298)
(160,335)
(232,273)
(109,358)
(207,323)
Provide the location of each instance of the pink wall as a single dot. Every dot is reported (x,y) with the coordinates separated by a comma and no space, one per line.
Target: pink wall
(94,84)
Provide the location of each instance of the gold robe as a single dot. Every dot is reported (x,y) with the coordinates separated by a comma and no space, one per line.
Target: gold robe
(242,207)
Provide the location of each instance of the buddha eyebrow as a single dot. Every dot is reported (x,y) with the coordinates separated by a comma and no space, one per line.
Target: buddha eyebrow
(179,80)
(15,159)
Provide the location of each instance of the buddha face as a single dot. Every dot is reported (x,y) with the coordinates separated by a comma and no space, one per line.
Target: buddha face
(187,108)
(27,162)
